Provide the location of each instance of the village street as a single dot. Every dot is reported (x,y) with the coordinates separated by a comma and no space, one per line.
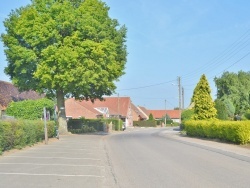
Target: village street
(137,157)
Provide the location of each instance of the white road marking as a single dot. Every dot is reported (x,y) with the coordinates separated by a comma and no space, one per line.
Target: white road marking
(66,149)
(52,158)
(60,175)
(49,152)
(38,164)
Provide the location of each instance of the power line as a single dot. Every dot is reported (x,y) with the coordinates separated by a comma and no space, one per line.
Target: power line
(141,87)
(236,47)
(227,54)
(235,63)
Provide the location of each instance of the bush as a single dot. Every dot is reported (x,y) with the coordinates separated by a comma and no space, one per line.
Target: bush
(145,123)
(232,131)
(187,114)
(169,122)
(84,129)
(78,126)
(20,133)
(221,110)
(30,109)
(247,115)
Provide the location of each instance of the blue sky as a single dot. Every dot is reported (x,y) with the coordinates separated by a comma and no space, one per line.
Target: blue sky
(171,38)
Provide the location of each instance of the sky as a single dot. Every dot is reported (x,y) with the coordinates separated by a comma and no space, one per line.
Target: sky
(167,39)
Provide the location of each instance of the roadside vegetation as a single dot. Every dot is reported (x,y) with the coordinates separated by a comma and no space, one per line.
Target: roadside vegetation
(16,134)
(82,125)
(227,118)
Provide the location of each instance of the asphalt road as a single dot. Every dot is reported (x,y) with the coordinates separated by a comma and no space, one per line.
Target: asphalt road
(135,158)
(153,158)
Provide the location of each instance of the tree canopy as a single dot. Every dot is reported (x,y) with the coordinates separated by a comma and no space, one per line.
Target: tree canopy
(235,87)
(221,110)
(204,107)
(65,47)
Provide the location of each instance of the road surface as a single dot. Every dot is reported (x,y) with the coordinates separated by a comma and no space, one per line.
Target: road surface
(135,158)
(151,158)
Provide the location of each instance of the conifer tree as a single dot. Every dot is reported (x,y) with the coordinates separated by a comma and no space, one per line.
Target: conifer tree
(204,107)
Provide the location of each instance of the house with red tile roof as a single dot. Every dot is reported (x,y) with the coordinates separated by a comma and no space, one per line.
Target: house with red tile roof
(110,107)
(9,93)
(173,114)
(114,107)
(138,114)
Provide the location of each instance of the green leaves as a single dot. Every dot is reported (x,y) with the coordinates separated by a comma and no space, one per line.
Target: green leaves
(235,87)
(19,133)
(30,109)
(203,103)
(232,131)
(69,45)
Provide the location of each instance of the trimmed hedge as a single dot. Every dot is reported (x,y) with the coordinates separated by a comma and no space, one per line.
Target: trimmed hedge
(232,131)
(149,123)
(30,109)
(20,133)
(78,126)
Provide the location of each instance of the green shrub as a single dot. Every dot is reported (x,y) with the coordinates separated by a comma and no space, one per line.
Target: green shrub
(221,110)
(231,131)
(151,117)
(116,124)
(77,126)
(169,122)
(247,115)
(75,123)
(145,123)
(84,129)
(187,114)
(30,109)
(20,133)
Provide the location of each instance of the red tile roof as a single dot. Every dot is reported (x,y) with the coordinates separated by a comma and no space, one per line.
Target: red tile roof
(157,114)
(8,93)
(75,110)
(137,113)
(144,110)
(87,109)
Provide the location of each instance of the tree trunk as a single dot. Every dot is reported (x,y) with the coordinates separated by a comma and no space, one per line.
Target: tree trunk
(63,129)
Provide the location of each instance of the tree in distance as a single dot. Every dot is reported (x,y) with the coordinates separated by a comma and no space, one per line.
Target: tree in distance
(234,88)
(204,107)
(151,117)
(65,48)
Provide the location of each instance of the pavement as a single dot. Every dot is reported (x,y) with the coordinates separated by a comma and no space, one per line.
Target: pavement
(82,161)
(73,161)
(218,146)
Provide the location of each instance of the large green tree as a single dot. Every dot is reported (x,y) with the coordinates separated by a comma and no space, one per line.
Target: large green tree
(65,48)
(221,110)
(235,87)
(204,107)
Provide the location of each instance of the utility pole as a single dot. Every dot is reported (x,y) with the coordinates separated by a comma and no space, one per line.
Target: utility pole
(45,126)
(183,98)
(118,112)
(179,85)
(165,113)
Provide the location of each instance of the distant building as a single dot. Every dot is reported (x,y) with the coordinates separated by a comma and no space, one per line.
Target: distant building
(111,107)
(173,114)
(114,107)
